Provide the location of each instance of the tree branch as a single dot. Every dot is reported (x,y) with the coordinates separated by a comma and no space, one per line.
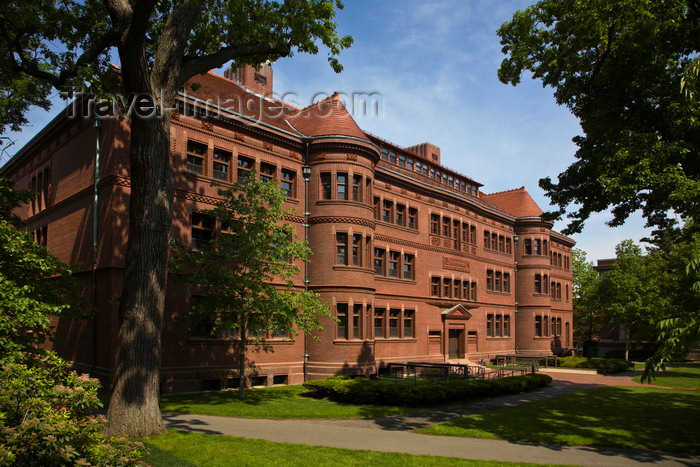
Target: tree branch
(192,66)
(31,67)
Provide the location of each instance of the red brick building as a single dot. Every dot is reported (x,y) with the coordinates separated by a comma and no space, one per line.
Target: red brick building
(416,261)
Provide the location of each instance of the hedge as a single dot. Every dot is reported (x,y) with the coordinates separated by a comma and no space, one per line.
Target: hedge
(603,365)
(376,392)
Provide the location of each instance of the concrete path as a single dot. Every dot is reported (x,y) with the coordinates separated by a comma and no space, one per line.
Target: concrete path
(392,434)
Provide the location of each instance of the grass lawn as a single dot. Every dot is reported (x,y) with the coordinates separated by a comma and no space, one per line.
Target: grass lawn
(677,377)
(274,402)
(631,417)
(180,449)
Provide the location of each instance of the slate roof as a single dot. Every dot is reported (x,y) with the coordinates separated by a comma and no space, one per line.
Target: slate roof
(516,202)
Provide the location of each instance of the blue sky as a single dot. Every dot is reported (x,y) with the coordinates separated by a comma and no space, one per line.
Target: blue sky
(432,65)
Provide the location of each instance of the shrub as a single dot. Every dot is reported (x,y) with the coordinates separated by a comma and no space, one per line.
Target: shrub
(46,418)
(364,391)
(602,365)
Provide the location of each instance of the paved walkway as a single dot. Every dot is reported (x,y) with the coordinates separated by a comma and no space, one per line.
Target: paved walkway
(392,434)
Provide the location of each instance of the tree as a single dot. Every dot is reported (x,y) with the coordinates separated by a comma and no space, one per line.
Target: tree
(634,293)
(617,66)
(244,278)
(680,331)
(161,45)
(34,285)
(585,297)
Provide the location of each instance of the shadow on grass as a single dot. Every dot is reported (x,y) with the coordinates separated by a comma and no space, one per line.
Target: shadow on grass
(158,457)
(252,396)
(628,417)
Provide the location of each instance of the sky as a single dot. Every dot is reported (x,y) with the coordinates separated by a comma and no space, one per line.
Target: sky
(431,66)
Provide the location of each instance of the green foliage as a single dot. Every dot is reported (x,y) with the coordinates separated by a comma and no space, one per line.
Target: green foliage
(364,391)
(34,285)
(585,296)
(246,277)
(604,366)
(66,45)
(617,65)
(46,418)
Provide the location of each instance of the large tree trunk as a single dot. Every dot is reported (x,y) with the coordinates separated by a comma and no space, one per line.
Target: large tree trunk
(134,403)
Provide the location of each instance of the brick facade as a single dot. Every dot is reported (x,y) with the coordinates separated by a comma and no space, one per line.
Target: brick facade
(417,262)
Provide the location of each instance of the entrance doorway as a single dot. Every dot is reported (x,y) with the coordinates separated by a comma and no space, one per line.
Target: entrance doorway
(456,343)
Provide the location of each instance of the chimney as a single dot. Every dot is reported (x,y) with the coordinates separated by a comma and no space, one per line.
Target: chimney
(256,80)
(426,151)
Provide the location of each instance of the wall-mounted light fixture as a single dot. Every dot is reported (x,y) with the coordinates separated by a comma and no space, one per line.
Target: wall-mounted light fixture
(306,173)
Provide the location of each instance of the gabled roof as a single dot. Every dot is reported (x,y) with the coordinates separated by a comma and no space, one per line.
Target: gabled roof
(516,202)
(457,311)
(326,117)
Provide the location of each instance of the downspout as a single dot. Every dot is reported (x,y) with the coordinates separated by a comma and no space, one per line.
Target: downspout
(95,214)
(306,176)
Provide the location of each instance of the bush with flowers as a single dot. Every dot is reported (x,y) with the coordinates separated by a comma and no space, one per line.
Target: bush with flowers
(47,417)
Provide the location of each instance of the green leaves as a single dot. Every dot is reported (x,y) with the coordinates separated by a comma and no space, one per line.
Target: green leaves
(618,66)
(34,285)
(245,276)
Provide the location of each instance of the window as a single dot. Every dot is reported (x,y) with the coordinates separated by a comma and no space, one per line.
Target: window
(506,325)
(377,208)
(40,183)
(342,315)
(387,210)
(538,283)
(408,323)
(357,321)
(379,257)
(489,279)
(245,166)
(400,215)
(40,235)
(385,154)
(447,287)
(202,228)
(379,320)
(357,187)
(267,172)
(357,249)
(287,182)
(341,241)
(412,218)
(528,246)
(490,323)
(498,277)
(446,226)
(195,157)
(402,160)
(435,286)
(509,245)
(487,239)
(394,315)
(394,257)
(408,261)
(326,185)
(497,325)
(222,159)
(506,282)
(538,326)
(435,224)
(342,185)
(538,249)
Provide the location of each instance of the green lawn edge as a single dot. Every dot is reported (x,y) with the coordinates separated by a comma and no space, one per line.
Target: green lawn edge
(615,416)
(187,449)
